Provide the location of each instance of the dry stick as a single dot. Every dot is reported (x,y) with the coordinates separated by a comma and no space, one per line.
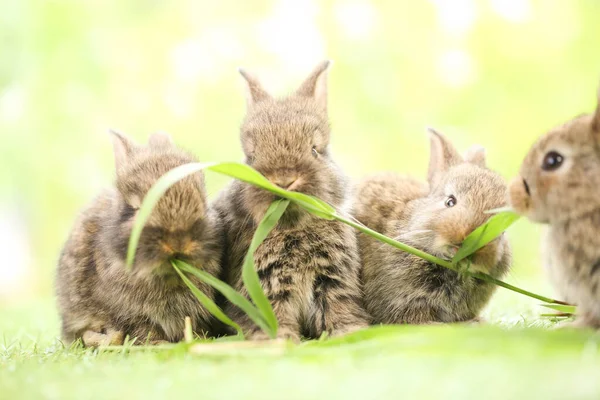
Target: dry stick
(188,333)
(443,263)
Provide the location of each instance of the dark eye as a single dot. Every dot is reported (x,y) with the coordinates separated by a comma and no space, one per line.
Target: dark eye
(552,161)
(315,153)
(127,212)
(450,201)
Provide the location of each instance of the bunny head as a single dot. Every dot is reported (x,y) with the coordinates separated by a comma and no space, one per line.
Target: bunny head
(461,190)
(560,176)
(176,227)
(287,140)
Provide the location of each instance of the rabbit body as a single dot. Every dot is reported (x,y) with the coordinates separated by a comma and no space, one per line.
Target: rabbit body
(436,217)
(559,185)
(99,300)
(308,267)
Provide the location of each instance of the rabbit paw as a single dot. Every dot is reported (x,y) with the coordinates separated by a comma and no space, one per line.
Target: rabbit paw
(112,337)
(344,330)
(282,333)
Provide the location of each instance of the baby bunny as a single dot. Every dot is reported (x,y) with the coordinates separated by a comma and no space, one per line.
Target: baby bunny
(99,300)
(435,218)
(559,185)
(308,266)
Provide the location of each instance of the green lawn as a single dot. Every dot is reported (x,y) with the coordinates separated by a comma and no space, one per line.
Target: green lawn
(514,355)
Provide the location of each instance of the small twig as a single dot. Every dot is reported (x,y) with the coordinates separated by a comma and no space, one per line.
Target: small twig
(188,333)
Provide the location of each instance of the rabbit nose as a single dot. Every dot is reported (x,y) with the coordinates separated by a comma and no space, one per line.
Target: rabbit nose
(526,187)
(177,247)
(285,182)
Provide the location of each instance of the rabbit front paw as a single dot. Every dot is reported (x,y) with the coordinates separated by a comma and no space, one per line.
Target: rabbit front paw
(111,337)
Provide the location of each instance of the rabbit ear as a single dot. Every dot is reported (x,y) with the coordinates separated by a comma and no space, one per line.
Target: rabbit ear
(123,147)
(596,118)
(160,139)
(315,85)
(443,156)
(255,92)
(476,155)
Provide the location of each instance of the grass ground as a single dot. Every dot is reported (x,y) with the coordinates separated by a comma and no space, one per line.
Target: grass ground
(514,355)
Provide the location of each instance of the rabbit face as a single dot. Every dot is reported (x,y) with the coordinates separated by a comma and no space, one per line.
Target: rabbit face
(176,228)
(461,191)
(457,205)
(560,176)
(287,140)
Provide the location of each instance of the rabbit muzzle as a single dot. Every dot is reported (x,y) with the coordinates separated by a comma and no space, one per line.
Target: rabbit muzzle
(520,195)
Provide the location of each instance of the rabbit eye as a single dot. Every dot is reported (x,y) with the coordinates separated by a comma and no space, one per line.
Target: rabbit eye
(315,153)
(552,161)
(450,201)
(128,212)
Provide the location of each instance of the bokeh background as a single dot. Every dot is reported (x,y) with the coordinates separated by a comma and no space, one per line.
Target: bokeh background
(493,72)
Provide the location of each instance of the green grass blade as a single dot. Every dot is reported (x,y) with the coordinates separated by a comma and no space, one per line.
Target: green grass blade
(484,234)
(239,171)
(565,309)
(249,274)
(247,174)
(230,293)
(439,261)
(207,301)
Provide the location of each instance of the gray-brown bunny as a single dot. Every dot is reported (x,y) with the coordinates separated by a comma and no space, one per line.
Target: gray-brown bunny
(436,218)
(308,266)
(559,185)
(99,300)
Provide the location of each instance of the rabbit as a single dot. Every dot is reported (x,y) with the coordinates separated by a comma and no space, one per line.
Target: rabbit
(308,266)
(100,301)
(559,185)
(434,217)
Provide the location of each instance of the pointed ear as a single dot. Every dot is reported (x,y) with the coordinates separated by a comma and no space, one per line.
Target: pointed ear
(123,147)
(315,85)
(160,139)
(596,117)
(443,156)
(255,92)
(476,155)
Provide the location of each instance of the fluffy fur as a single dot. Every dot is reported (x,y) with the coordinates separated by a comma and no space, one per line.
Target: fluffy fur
(308,267)
(99,300)
(402,288)
(567,198)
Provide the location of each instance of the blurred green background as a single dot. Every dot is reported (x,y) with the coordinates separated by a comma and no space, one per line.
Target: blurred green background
(493,72)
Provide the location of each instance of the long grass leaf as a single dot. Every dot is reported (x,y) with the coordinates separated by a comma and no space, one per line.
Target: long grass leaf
(439,261)
(239,171)
(230,293)
(207,301)
(249,274)
(484,234)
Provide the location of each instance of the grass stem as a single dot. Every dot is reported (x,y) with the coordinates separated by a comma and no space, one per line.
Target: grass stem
(439,261)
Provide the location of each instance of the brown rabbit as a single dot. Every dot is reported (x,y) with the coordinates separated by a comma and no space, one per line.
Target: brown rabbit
(308,267)
(559,185)
(435,218)
(99,300)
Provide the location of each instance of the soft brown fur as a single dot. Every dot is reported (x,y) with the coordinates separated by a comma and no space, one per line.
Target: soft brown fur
(308,267)
(99,300)
(568,199)
(402,288)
